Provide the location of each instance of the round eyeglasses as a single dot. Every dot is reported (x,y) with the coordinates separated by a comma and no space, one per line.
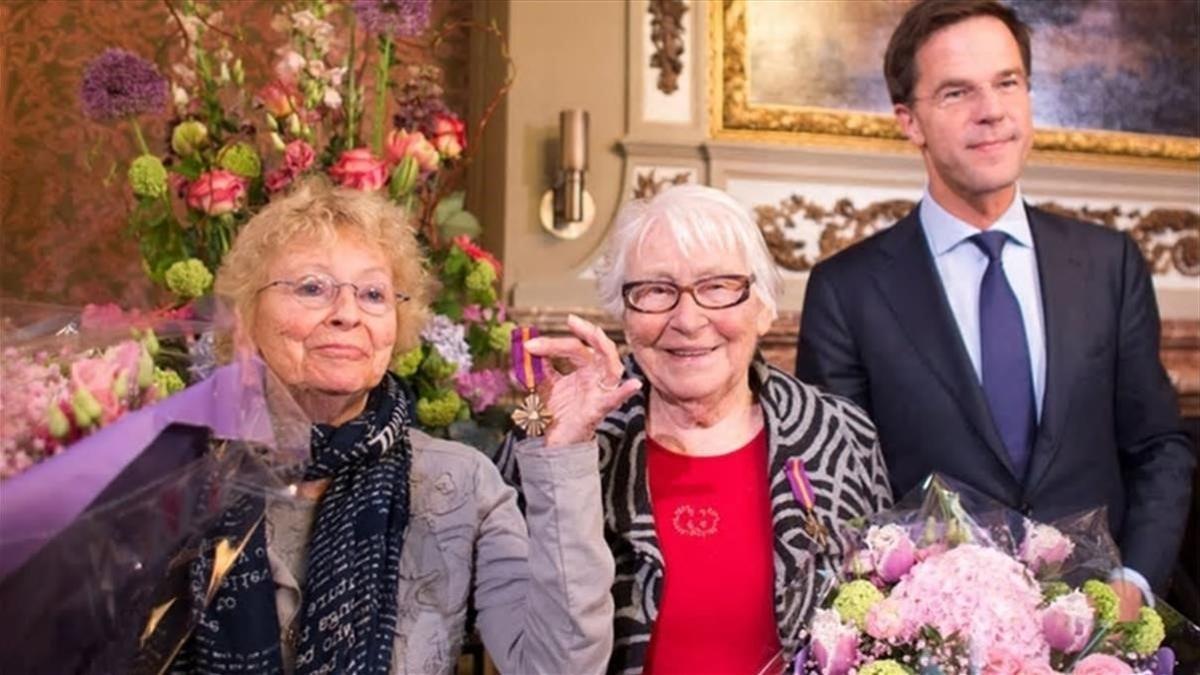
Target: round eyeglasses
(318,291)
(716,292)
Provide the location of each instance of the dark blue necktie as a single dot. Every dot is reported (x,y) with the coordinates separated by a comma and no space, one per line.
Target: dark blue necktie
(1004,353)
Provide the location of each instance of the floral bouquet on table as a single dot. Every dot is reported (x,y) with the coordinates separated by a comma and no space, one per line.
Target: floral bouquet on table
(353,96)
(957,584)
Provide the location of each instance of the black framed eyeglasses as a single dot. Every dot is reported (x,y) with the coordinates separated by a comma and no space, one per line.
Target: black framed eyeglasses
(716,292)
(318,291)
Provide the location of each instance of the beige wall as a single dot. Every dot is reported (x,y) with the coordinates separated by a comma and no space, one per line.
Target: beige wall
(569,54)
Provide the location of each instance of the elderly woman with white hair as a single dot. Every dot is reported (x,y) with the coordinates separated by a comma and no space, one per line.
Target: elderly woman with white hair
(717,548)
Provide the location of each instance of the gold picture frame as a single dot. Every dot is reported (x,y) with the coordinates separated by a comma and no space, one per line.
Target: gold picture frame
(734,117)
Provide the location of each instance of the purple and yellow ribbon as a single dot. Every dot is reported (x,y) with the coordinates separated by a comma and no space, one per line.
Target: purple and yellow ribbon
(803,490)
(527,369)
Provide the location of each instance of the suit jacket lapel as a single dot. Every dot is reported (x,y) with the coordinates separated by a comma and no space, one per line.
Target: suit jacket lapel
(910,283)
(1063,283)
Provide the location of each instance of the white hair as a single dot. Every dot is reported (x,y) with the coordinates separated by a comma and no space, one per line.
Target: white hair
(697,218)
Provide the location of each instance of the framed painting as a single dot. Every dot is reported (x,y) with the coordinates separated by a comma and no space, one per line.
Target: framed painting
(1110,78)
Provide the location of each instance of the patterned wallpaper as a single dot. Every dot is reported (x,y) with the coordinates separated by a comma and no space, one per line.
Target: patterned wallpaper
(62,200)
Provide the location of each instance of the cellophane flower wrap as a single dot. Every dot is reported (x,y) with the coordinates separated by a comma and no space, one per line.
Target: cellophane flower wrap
(101,539)
(354,94)
(951,583)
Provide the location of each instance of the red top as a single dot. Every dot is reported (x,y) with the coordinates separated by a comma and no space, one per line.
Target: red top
(713,516)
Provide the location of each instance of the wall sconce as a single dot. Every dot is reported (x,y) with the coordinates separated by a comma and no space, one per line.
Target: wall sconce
(567,210)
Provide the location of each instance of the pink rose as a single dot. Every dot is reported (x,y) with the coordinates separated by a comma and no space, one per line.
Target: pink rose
(1044,546)
(298,156)
(217,192)
(892,551)
(834,644)
(1067,623)
(885,621)
(449,135)
(1101,664)
(98,377)
(278,179)
(277,98)
(359,169)
(401,144)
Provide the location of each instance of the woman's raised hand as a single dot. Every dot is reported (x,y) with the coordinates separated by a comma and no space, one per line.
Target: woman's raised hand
(579,400)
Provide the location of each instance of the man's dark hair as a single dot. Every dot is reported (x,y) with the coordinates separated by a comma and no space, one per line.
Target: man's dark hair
(928,17)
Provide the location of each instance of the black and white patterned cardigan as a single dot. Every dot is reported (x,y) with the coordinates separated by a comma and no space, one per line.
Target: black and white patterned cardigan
(841,455)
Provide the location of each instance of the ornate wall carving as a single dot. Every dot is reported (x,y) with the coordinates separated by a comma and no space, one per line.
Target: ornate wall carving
(666,34)
(647,184)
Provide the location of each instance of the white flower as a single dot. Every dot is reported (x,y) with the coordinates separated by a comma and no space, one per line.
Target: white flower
(332,98)
(334,76)
(179,96)
(305,22)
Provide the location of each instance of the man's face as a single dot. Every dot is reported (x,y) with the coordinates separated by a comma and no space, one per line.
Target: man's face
(970,111)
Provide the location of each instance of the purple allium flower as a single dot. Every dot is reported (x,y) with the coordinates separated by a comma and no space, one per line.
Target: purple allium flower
(119,84)
(397,18)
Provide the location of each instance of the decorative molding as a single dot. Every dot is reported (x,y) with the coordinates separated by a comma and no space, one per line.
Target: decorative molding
(841,226)
(666,34)
(1180,351)
(647,184)
(1168,238)
(735,117)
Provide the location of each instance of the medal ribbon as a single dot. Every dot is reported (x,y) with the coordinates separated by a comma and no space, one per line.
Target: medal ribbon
(801,487)
(527,369)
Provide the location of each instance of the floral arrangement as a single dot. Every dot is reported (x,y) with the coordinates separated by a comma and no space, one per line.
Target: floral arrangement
(340,102)
(937,591)
(60,389)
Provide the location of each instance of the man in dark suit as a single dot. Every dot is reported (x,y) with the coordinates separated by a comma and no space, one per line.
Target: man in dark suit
(1011,349)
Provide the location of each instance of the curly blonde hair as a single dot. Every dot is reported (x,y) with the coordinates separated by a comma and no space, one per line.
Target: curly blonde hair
(317,211)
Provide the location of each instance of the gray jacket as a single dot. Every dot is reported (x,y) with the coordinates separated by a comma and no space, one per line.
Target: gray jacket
(542,593)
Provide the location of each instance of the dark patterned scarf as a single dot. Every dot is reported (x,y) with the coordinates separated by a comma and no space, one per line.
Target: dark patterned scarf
(348,617)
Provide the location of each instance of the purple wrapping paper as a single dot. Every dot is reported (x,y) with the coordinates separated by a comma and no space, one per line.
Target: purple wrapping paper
(38,504)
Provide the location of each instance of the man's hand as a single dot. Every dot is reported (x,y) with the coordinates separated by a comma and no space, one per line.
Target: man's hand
(1130,597)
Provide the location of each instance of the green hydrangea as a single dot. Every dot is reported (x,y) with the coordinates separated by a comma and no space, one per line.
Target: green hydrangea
(188,278)
(480,283)
(439,410)
(1103,600)
(240,158)
(148,177)
(500,336)
(855,599)
(188,137)
(883,667)
(438,368)
(167,381)
(1052,590)
(1146,633)
(406,364)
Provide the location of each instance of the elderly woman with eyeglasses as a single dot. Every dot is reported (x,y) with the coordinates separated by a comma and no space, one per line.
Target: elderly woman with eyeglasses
(392,534)
(717,554)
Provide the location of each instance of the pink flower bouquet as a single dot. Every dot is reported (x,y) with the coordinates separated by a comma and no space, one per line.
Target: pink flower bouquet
(957,585)
(70,373)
